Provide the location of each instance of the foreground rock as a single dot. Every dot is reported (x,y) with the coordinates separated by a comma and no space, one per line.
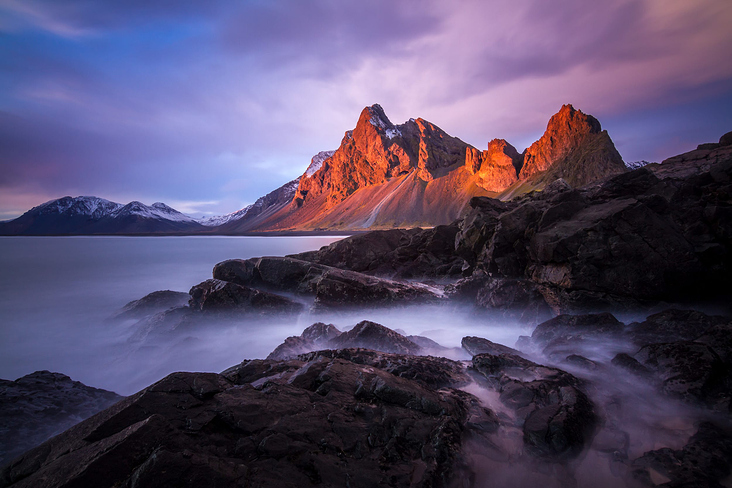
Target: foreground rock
(557,417)
(315,421)
(42,404)
(703,462)
(478,345)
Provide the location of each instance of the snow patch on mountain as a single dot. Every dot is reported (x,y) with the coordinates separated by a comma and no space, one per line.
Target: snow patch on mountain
(392,133)
(96,208)
(222,219)
(636,164)
(93,207)
(155,211)
(377,122)
(317,162)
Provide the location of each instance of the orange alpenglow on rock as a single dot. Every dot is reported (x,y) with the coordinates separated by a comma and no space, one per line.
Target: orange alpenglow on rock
(377,150)
(575,148)
(497,168)
(415,174)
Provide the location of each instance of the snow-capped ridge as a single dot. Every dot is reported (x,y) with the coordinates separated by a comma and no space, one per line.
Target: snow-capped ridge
(317,162)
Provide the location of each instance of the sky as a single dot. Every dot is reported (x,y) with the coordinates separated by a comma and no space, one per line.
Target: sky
(207,106)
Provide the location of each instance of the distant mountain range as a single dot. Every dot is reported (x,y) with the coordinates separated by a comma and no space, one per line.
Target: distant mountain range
(382,176)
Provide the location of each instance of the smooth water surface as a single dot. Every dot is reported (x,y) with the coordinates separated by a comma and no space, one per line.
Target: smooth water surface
(56,294)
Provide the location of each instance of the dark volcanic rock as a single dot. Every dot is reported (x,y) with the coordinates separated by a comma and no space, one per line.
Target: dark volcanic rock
(691,371)
(42,404)
(564,334)
(478,345)
(347,289)
(518,300)
(631,364)
(658,233)
(324,422)
(374,336)
(673,325)
(719,338)
(155,302)
(332,287)
(703,462)
(222,297)
(317,336)
(397,253)
(557,416)
(367,335)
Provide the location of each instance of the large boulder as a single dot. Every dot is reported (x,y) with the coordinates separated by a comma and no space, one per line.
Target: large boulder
(223,297)
(346,289)
(556,416)
(371,335)
(41,405)
(367,335)
(150,304)
(331,287)
(317,336)
(396,253)
(514,299)
(478,345)
(691,371)
(319,421)
(567,334)
(703,462)
(673,325)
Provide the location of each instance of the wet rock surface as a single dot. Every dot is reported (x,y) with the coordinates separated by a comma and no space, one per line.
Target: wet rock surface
(673,325)
(557,417)
(217,296)
(366,334)
(155,302)
(315,422)
(565,334)
(704,461)
(42,404)
(331,287)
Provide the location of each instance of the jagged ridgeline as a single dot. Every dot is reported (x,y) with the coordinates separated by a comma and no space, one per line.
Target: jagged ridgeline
(415,174)
(382,176)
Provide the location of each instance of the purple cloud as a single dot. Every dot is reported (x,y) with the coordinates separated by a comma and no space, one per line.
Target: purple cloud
(221,102)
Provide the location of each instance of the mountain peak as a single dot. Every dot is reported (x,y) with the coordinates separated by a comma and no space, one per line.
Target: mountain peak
(374,116)
(566,131)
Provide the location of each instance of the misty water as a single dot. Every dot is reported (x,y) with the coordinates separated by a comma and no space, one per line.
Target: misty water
(57,294)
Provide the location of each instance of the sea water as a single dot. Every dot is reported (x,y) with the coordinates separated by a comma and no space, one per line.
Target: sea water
(57,294)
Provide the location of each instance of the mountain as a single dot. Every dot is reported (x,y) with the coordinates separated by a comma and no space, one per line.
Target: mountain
(382,176)
(93,215)
(253,216)
(574,147)
(415,174)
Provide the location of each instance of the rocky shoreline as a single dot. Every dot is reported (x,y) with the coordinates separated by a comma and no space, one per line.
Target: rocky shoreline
(586,400)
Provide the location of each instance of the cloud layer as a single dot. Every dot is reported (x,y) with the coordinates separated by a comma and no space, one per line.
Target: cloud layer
(220,102)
